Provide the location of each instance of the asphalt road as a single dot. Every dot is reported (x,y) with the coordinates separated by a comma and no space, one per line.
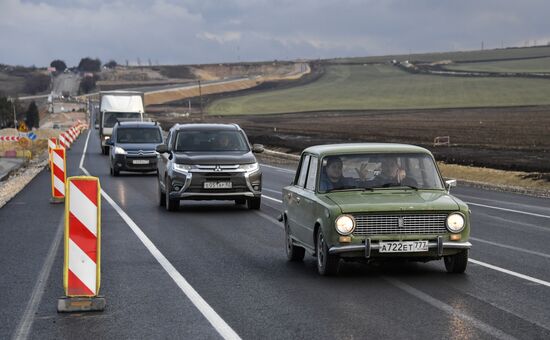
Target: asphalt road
(234,260)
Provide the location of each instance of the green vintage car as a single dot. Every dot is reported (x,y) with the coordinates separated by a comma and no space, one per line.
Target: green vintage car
(371,202)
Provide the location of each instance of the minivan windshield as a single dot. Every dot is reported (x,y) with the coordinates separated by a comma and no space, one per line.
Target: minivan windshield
(378,171)
(138,135)
(210,141)
(110,118)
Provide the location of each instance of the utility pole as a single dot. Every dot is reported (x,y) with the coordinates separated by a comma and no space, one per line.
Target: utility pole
(12,100)
(200,101)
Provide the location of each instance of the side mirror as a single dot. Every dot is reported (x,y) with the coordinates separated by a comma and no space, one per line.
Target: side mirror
(449,184)
(162,148)
(257,148)
(109,142)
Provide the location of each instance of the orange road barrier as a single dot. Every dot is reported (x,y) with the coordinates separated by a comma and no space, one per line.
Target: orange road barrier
(58,168)
(82,265)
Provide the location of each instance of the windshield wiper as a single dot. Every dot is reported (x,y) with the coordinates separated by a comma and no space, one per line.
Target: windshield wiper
(395,185)
(349,189)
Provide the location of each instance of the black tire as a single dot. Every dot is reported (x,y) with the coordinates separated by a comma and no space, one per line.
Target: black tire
(116,172)
(105,150)
(457,263)
(171,204)
(240,201)
(162,195)
(254,203)
(293,252)
(327,264)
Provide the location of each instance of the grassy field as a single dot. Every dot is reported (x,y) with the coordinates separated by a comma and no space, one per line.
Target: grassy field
(525,65)
(362,87)
(494,54)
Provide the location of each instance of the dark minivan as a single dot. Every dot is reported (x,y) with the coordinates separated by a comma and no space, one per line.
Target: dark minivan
(132,147)
(208,162)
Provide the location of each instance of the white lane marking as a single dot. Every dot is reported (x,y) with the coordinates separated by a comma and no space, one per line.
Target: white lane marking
(25,324)
(278,168)
(272,199)
(453,312)
(208,312)
(532,252)
(509,210)
(82,266)
(509,272)
(271,219)
(271,190)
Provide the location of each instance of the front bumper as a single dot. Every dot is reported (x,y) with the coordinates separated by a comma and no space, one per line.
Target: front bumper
(191,185)
(371,248)
(126,163)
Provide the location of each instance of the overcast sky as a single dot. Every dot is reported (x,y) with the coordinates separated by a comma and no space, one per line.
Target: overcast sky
(208,31)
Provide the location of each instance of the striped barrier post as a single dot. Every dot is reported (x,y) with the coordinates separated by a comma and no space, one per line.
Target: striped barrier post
(58,170)
(62,141)
(69,137)
(52,143)
(82,265)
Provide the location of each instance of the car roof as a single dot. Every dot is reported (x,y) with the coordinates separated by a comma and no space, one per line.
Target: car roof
(206,127)
(136,124)
(358,148)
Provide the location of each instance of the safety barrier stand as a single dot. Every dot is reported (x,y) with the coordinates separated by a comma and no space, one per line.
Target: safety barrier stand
(58,166)
(82,269)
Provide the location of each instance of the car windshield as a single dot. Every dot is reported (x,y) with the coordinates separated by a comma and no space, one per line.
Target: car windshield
(210,141)
(378,171)
(139,135)
(110,118)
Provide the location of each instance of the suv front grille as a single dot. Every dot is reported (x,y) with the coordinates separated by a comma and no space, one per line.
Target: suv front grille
(400,224)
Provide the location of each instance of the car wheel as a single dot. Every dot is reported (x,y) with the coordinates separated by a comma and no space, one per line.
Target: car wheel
(456,263)
(171,204)
(293,253)
(105,150)
(162,196)
(254,203)
(116,172)
(327,264)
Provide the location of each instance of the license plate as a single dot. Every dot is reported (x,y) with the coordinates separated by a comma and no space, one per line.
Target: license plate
(218,185)
(140,161)
(403,247)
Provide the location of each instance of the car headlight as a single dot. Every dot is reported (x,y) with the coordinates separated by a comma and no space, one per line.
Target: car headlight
(182,167)
(345,224)
(250,167)
(119,151)
(455,222)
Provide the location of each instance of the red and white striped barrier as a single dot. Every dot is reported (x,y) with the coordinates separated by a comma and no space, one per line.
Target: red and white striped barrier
(58,169)
(63,142)
(10,138)
(81,270)
(52,143)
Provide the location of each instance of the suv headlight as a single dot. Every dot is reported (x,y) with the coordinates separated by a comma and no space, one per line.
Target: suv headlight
(250,167)
(345,224)
(455,222)
(119,151)
(184,168)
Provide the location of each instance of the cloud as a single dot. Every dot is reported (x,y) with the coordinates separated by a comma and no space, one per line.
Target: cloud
(220,38)
(203,31)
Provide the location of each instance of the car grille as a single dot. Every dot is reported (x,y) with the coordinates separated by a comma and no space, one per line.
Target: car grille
(400,224)
(145,153)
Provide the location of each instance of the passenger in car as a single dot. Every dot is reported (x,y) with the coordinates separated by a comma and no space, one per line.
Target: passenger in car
(392,174)
(332,176)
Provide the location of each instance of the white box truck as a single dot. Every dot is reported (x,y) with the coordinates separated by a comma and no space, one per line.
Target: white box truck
(118,106)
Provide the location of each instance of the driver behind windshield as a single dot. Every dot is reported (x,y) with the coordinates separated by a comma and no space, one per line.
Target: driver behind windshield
(332,176)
